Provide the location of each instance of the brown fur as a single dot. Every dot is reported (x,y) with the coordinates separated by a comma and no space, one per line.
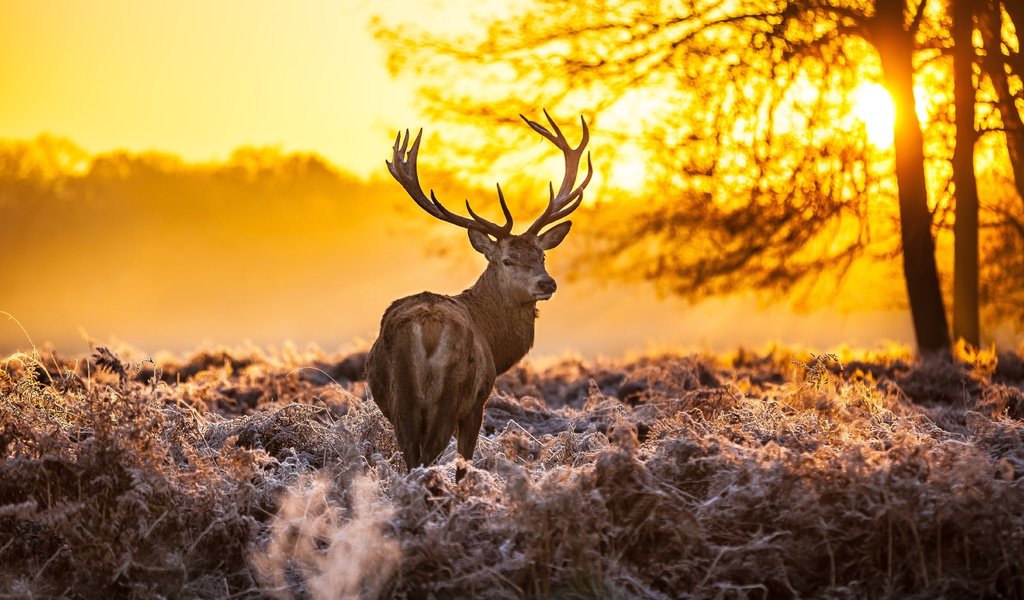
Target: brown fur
(435,361)
(434,364)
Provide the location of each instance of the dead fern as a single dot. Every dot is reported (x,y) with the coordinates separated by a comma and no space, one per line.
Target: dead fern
(815,371)
(649,478)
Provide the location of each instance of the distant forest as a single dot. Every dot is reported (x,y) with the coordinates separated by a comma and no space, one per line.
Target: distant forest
(123,235)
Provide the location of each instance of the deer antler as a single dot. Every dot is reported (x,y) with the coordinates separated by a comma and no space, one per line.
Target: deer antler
(403,168)
(567,199)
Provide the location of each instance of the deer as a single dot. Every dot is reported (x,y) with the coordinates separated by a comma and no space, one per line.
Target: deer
(436,358)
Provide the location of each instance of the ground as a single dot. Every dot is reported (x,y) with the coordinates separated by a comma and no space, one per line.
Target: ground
(755,474)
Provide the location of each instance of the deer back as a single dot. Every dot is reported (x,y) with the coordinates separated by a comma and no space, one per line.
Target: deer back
(431,360)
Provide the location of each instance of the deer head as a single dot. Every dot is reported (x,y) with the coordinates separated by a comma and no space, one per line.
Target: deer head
(515,261)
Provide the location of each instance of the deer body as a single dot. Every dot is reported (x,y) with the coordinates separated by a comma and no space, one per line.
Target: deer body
(435,361)
(428,370)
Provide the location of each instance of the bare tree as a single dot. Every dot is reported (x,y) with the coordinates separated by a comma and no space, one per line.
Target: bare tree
(894,39)
(759,178)
(1002,98)
(966,312)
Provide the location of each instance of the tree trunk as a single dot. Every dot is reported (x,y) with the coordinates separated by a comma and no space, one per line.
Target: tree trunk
(966,323)
(895,48)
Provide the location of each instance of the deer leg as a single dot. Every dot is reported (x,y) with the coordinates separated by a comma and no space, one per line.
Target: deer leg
(437,413)
(406,402)
(407,430)
(435,445)
(433,436)
(439,423)
(468,431)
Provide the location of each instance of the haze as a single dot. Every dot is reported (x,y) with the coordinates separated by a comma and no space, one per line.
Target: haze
(200,79)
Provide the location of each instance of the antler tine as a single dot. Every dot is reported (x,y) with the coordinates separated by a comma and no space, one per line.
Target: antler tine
(567,199)
(570,204)
(403,168)
(540,129)
(507,227)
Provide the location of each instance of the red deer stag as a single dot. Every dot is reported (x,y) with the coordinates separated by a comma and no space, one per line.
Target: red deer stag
(435,361)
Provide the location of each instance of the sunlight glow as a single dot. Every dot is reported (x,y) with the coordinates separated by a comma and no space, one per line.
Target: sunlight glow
(629,121)
(198,79)
(873,106)
(628,173)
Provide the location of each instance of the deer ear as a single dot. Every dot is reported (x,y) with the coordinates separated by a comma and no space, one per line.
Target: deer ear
(554,236)
(482,243)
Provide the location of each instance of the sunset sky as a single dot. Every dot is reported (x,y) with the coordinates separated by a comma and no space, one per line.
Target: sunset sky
(199,79)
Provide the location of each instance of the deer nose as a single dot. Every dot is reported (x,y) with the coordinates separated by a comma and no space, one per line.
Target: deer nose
(547,285)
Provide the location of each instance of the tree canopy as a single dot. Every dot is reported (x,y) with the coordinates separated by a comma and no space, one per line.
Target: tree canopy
(759,173)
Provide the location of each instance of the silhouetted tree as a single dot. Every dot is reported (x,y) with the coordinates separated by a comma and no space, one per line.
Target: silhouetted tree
(1002,101)
(895,42)
(761,179)
(966,313)
(1003,63)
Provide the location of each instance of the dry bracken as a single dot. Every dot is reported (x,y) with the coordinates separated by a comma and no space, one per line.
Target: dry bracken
(658,477)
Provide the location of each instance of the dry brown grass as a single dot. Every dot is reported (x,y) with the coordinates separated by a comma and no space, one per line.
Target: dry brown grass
(752,475)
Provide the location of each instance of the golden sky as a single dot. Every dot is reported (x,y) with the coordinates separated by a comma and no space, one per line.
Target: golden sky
(201,78)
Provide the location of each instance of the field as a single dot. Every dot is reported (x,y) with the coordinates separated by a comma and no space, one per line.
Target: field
(767,474)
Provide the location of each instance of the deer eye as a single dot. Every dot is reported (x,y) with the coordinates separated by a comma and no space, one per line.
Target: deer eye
(507,262)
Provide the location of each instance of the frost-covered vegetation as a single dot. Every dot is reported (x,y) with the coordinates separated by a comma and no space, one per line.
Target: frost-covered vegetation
(776,474)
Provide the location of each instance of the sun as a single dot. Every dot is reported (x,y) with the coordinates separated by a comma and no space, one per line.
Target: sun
(873,106)
(629,173)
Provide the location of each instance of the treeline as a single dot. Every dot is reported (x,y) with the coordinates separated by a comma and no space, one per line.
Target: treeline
(149,243)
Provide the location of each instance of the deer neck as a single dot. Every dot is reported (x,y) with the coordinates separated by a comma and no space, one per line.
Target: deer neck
(507,325)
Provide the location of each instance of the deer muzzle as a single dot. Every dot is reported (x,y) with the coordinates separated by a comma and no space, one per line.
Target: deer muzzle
(545,287)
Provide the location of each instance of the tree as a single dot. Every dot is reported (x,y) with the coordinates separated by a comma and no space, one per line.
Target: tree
(966,317)
(1004,66)
(1001,104)
(761,177)
(895,43)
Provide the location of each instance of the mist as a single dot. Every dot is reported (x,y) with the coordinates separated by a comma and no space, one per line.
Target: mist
(268,248)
